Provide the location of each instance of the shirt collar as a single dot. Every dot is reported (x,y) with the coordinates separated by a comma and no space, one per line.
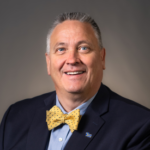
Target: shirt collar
(82,107)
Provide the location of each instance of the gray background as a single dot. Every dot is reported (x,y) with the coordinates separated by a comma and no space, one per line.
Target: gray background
(125,27)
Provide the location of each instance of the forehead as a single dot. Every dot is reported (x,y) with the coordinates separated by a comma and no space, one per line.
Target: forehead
(72,25)
(73,30)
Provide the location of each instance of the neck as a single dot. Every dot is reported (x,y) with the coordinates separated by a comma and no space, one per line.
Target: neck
(70,101)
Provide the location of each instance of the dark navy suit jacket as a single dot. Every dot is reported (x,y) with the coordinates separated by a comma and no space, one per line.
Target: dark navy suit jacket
(114,122)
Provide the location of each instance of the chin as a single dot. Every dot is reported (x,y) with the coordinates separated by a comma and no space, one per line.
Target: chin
(74,90)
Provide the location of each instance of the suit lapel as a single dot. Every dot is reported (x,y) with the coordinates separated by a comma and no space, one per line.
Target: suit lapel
(91,121)
(88,123)
(39,134)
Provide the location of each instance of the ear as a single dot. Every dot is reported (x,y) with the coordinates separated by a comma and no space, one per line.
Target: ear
(48,63)
(103,54)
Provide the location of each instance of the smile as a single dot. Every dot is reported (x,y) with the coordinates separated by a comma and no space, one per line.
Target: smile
(74,73)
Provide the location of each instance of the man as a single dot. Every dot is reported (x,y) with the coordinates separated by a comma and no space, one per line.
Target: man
(75,60)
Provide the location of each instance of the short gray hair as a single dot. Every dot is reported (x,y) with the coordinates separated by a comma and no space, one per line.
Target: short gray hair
(79,16)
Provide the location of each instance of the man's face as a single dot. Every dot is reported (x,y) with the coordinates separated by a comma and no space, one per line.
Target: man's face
(75,61)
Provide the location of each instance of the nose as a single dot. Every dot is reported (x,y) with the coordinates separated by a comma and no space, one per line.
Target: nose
(73,58)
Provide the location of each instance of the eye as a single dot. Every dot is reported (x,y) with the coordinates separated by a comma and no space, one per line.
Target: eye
(60,49)
(83,48)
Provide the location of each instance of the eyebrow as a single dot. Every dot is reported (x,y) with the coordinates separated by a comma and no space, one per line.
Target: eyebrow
(59,44)
(83,42)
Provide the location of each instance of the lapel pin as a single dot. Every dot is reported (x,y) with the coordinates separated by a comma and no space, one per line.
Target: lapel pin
(87,134)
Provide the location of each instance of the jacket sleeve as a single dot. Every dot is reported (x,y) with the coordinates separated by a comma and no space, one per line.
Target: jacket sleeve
(2,129)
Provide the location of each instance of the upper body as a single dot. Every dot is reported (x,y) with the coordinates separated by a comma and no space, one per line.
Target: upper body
(75,61)
(113,121)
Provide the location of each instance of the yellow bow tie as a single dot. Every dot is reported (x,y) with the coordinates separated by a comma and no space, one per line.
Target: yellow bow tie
(55,117)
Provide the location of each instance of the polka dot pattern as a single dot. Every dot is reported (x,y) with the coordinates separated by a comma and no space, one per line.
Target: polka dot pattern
(55,117)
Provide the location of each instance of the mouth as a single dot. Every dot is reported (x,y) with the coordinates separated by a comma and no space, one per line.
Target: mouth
(74,72)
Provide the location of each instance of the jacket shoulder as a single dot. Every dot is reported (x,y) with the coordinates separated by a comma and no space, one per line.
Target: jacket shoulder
(127,107)
(18,119)
(33,102)
(26,108)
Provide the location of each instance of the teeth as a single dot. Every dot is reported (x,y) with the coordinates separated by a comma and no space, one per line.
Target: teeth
(75,72)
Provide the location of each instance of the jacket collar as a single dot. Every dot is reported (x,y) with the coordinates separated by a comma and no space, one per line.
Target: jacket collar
(101,102)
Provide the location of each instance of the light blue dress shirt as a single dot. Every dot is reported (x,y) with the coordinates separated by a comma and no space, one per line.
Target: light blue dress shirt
(61,134)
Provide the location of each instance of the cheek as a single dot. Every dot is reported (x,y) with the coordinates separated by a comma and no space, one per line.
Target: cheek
(94,66)
(56,64)
(92,62)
